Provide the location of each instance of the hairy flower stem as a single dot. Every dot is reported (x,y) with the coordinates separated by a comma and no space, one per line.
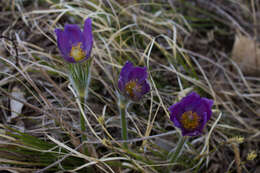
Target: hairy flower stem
(82,121)
(80,75)
(123,105)
(175,155)
(81,101)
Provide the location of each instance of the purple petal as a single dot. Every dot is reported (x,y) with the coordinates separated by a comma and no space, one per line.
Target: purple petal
(137,96)
(125,72)
(87,32)
(121,85)
(191,101)
(63,44)
(62,41)
(209,104)
(74,34)
(204,106)
(176,121)
(176,111)
(145,87)
(203,122)
(138,73)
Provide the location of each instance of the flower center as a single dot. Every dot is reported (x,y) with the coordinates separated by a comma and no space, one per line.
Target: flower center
(190,120)
(132,87)
(77,53)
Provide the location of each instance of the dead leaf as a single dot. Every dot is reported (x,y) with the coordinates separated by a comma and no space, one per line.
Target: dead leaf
(246,53)
(16,106)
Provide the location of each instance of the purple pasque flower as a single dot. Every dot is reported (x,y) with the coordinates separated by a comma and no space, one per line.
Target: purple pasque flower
(75,45)
(191,114)
(133,82)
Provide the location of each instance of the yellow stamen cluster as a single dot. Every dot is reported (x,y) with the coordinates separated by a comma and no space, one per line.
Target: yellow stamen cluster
(77,53)
(190,120)
(132,86)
